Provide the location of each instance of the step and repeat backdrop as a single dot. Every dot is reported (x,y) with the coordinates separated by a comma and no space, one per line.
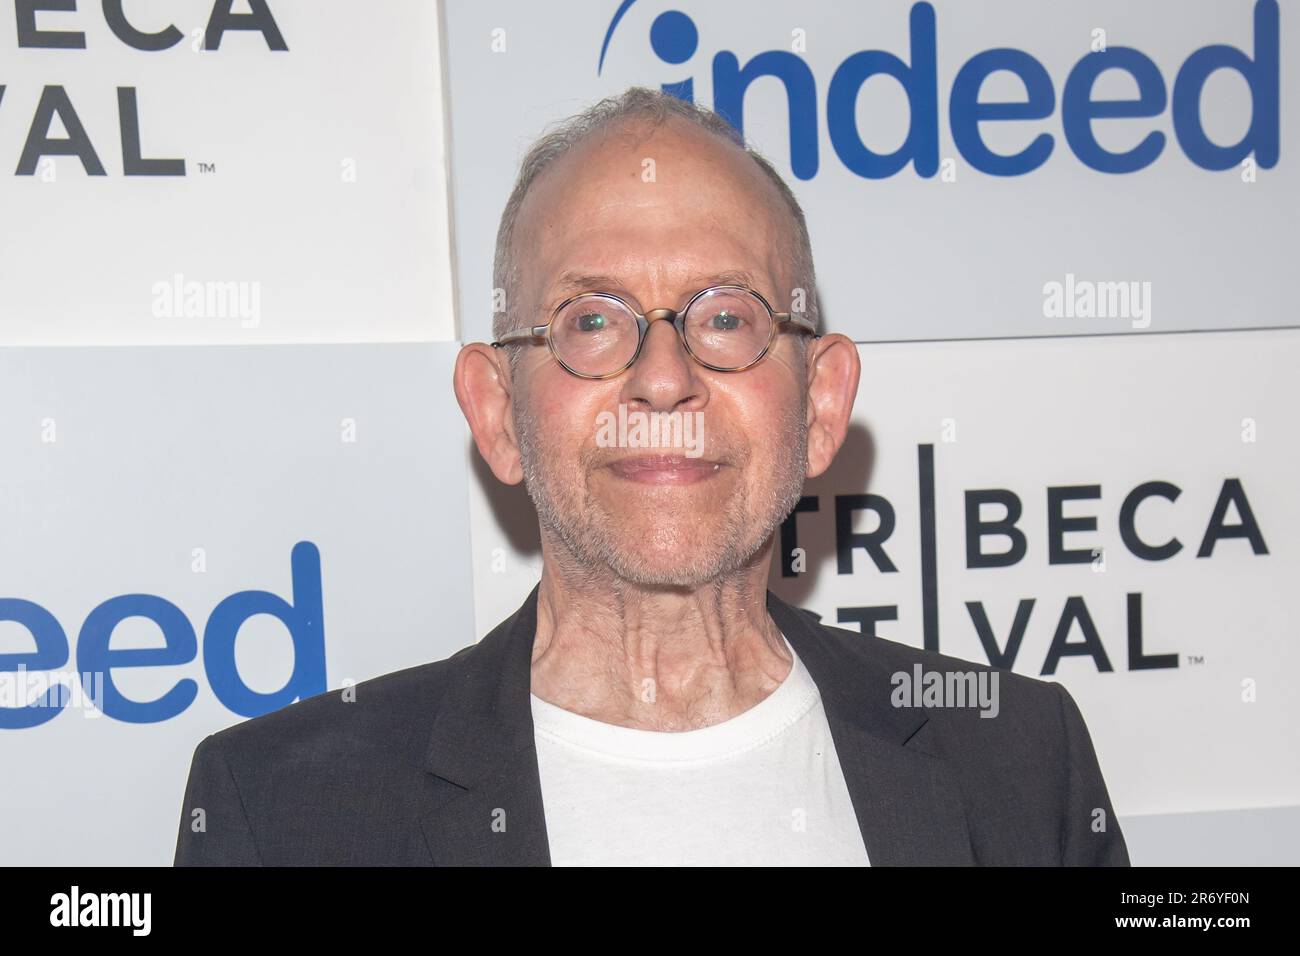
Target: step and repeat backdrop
(243,240)
(230,461)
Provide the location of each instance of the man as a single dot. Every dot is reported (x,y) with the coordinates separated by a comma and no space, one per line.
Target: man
(651,702)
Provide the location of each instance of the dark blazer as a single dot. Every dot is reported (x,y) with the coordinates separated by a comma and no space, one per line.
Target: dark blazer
(435,765)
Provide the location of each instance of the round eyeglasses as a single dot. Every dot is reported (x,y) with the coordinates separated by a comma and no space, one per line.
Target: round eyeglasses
(726,328)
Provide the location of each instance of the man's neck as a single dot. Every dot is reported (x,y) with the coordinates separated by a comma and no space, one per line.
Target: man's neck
(655,658)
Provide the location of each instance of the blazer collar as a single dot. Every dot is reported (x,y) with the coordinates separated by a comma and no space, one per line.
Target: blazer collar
(907,803)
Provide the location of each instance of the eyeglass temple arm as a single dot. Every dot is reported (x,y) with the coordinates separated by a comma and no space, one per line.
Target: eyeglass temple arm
(528,332)
(800,320)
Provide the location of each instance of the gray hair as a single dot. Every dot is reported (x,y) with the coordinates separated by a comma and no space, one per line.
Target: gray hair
(636,103)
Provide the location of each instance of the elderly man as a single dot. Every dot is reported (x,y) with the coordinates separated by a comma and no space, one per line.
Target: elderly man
(651,702)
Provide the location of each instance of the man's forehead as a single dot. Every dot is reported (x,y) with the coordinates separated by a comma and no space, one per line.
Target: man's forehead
(669,174)
(708,217)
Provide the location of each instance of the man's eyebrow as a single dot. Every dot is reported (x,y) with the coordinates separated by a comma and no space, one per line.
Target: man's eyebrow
(584,282)
(730,277)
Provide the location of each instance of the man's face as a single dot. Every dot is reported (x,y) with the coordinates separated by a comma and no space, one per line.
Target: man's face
(661,215)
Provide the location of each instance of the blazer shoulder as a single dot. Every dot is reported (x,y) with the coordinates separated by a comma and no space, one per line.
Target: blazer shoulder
(1023,744)
(373,715)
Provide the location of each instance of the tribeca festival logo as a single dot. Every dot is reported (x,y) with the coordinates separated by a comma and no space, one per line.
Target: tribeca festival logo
(993,534)
(56,128)
(674,39)
(639,429)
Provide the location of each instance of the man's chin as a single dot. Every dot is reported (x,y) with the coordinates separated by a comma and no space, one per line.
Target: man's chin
(680,541)
(646,574)
(656,560)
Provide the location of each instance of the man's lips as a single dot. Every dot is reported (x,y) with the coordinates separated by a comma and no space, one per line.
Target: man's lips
(664,469)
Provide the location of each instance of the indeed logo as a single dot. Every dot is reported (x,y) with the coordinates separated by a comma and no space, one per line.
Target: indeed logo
(674,39)
(303,619)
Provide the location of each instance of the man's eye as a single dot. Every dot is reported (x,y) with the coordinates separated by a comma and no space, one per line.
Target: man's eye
(591,322)
(725,321)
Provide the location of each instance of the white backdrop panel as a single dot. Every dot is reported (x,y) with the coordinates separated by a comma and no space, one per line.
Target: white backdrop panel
(190,475)
(950,251)
(313,205)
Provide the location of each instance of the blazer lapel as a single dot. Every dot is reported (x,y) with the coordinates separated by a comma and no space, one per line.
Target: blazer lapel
(907,803)
(482,742)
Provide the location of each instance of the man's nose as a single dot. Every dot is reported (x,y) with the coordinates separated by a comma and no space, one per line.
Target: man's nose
(664,375)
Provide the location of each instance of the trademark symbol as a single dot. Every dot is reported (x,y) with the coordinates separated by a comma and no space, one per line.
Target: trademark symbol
(1196,658)
(207,167)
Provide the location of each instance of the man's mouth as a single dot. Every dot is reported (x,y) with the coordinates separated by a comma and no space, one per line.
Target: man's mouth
(664,469)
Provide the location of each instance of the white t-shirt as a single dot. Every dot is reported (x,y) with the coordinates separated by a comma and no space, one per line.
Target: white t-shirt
(763,788)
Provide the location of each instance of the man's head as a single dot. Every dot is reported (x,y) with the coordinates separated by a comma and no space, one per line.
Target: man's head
(652,199)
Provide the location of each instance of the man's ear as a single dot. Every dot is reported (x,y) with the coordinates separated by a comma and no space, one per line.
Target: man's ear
(833,372)
(482,382)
